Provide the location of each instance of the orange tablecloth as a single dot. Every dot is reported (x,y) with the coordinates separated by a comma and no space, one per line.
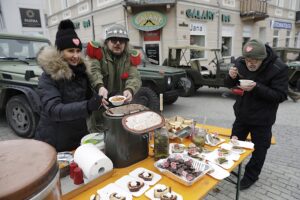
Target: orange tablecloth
(197,191)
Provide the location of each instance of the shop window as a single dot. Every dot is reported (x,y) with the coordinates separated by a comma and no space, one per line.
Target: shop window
(275,38)
(226,46)
(198,40)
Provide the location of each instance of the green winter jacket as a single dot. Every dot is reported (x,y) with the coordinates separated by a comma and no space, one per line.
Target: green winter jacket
(115,73)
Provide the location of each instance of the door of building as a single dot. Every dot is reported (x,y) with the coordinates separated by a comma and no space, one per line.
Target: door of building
(152,46)
(153,52)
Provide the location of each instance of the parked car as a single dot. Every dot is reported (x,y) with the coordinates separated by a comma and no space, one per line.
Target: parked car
(162,79)
(199,75)
(18,81)
(291,56)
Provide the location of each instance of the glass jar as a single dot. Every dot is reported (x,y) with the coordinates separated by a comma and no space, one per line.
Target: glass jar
(161,143)
(198,137)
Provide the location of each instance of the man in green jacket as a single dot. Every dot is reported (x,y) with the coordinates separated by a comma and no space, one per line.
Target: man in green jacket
(113,68)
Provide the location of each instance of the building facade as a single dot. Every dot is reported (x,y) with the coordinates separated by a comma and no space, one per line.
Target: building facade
(23,17)
(156,25)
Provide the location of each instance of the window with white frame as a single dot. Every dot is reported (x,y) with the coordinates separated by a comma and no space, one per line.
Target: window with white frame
(197,37)
(198,40)
(230,3)
(275,38)
(226,46)
(288,38)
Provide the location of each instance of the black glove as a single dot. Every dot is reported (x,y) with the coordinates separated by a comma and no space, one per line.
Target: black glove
(94,103)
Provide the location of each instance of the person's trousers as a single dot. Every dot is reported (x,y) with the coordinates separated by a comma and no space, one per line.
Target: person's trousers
(261,137)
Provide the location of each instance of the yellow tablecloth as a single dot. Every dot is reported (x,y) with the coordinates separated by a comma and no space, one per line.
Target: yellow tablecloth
(197,191)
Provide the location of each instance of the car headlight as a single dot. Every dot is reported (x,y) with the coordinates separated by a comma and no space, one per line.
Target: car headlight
(169,81)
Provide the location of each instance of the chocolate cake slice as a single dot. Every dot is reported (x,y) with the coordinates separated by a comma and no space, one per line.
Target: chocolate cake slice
(135,186)
(116,196)
(147,176)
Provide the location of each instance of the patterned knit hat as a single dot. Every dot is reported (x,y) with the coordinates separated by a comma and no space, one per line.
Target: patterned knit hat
(66,37)
(255,49)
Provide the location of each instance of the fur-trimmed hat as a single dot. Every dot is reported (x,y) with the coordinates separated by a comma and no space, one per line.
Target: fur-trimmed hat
(66,37)
(255,49)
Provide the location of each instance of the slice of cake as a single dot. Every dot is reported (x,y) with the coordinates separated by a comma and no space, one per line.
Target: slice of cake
(116,196)
(147,176)
(168,196)
(160,190)
(135,186)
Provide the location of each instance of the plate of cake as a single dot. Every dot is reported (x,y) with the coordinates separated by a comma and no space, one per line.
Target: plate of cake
(162,192)
(146,175)
(114,192)
(135,186)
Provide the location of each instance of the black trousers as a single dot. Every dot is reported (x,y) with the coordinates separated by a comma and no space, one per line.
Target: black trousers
(261,137)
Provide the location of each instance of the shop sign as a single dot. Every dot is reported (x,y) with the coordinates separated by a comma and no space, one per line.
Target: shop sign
(197,29)
(281,25)
(76,25)
(86,23)
(152,35)
(225,18)
(149,20)
(200,14)
(30,17)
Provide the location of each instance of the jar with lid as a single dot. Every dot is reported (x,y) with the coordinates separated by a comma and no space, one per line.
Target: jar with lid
(161,143)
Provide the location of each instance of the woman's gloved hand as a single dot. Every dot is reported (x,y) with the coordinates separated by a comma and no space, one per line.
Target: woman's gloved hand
(94,103)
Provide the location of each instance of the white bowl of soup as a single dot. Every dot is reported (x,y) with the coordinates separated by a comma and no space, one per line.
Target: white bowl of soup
(117,100)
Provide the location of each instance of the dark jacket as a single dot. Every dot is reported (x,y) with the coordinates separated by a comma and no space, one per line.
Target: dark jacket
(63,91)
(259,106)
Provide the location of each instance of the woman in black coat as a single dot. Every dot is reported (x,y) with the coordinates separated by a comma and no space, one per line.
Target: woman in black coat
(65,92)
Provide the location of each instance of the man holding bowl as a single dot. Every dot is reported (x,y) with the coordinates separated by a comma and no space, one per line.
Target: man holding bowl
(113,68)
(263,82)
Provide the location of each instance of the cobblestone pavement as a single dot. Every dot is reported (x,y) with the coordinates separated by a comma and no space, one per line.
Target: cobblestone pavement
(280,177)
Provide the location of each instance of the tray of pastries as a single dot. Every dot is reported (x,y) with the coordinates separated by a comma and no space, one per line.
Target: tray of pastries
(182,168)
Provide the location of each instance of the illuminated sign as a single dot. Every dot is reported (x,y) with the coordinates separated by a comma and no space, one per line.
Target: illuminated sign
(149,20)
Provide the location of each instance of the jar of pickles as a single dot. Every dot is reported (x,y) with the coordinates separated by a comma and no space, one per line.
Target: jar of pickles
(198,137)
(161,143)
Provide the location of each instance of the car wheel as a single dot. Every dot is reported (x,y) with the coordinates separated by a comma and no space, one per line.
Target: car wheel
(298,85)
(188,91)
(20,116)
(147,97)
(170,100)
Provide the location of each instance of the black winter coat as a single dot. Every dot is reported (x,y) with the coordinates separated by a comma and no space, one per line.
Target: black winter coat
(259,106)
(63,93)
